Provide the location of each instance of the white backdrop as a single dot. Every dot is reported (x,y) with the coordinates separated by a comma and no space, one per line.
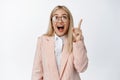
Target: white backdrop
(22,21)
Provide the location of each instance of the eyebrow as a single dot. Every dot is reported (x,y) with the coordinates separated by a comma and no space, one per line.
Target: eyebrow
(57,14)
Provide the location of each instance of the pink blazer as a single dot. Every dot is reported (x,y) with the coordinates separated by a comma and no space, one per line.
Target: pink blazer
(45,67)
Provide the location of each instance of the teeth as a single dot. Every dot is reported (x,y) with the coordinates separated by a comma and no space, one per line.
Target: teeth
(60,27)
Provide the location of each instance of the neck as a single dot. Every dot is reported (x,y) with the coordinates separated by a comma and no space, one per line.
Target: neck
(62,37)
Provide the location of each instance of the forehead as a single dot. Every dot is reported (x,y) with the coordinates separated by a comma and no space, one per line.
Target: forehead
(60,12)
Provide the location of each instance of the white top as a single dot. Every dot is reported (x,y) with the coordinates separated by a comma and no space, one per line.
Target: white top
(59,41)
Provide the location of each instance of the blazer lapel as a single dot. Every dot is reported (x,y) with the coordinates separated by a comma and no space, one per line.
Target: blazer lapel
(64,58)
(51,44)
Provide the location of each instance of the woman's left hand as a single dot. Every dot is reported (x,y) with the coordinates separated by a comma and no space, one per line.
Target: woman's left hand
(77,32)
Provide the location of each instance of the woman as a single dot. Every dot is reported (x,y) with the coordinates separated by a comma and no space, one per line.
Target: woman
(61,52)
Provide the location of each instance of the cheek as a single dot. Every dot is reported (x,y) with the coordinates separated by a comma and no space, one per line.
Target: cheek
(54,25)
(67,26)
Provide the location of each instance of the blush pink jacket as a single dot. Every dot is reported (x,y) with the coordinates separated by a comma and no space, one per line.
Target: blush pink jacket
(45,66)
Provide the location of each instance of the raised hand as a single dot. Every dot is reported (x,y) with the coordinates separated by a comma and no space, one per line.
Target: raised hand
(77,32)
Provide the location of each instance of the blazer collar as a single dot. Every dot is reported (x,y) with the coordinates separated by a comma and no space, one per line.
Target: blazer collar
(64,57)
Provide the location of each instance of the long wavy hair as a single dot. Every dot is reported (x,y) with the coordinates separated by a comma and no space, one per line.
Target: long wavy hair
(50,31)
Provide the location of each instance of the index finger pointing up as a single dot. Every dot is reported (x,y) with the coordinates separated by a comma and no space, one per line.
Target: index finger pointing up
(79,25)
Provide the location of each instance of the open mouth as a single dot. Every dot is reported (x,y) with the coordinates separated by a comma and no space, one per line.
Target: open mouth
(60,28)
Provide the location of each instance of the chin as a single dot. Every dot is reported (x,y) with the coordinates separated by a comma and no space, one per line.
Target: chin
(60,34)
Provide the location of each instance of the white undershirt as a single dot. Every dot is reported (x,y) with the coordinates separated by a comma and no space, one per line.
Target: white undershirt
(59,41)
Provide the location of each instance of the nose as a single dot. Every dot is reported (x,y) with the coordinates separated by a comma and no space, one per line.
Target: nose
(60,20)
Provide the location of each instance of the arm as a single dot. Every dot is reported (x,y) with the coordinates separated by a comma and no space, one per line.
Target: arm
(80,56)
(79,50)
(37,72)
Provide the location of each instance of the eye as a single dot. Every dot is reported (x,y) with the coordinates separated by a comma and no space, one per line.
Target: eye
(64,17)
(54,18)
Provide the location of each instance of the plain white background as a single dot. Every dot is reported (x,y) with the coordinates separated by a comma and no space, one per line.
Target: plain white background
(22,21)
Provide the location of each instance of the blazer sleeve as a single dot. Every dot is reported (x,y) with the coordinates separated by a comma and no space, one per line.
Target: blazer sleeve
(80,56)
(37,71)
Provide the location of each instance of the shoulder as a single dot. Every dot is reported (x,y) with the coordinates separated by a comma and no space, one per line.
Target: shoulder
(44,37)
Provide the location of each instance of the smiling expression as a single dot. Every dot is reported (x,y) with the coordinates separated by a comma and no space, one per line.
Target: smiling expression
(60,22)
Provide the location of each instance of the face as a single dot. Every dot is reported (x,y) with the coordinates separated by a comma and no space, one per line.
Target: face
(60,22)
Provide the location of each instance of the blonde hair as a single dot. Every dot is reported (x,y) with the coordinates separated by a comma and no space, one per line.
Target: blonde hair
(50,31)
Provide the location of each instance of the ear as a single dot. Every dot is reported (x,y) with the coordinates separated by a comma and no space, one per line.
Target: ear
(79,25)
